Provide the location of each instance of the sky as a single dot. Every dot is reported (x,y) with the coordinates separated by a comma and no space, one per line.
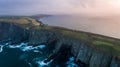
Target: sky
(31,7)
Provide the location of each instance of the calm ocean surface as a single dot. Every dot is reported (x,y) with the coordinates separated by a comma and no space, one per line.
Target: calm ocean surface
(105,26)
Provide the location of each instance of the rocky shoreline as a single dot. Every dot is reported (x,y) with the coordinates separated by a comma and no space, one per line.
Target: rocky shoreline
(84,52)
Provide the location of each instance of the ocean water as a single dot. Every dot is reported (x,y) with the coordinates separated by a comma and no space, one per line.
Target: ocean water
(108,26)
(24,55)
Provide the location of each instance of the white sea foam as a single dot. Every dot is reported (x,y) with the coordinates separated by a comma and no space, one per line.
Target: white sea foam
(42,63)
(18,46)
(1,48)
(25,47)
(40,47)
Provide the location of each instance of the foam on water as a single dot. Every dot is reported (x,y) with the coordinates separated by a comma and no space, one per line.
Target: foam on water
(42,63)
(38,60)
(25,47)
(40,46)
(18,46)
(1,48)
(69,63)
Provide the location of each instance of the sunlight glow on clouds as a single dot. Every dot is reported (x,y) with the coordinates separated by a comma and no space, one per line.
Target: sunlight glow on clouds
(59,7)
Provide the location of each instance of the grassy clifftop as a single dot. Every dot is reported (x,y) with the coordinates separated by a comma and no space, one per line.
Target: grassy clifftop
(99,42)
(20,20)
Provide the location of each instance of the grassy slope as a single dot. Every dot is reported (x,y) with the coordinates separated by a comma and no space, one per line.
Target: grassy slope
(20,20)
(102,43)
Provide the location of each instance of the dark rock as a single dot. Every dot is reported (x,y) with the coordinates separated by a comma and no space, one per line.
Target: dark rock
(10,32)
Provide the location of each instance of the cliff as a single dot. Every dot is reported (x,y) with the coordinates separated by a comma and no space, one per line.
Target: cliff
(90,49)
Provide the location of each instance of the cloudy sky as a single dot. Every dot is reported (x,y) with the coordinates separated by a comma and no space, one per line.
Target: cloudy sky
(29,7)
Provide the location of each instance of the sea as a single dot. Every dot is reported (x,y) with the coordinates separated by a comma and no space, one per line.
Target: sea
(24,55)
(103,25)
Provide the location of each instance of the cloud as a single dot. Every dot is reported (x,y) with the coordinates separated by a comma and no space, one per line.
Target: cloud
(28,7)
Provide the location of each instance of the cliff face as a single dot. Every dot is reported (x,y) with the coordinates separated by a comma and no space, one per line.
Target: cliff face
(83,52)
(10,32)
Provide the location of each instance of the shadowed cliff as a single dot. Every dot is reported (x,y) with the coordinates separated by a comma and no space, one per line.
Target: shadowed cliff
(90,49)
